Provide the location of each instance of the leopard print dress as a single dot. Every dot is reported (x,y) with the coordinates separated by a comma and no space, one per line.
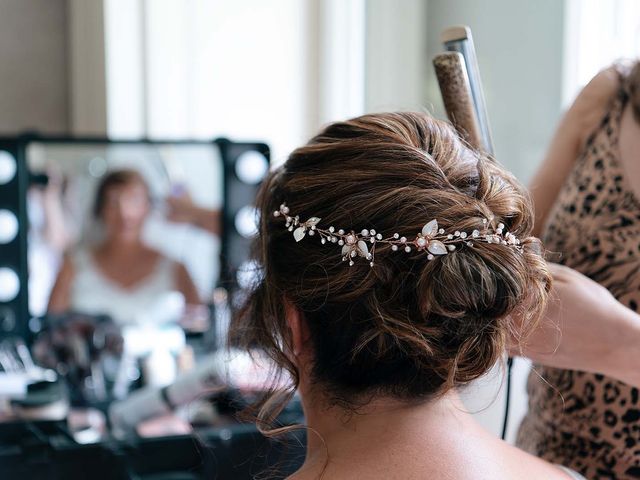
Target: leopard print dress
(591,423)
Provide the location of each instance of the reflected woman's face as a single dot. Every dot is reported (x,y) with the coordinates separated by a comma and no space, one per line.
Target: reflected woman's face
(125,210)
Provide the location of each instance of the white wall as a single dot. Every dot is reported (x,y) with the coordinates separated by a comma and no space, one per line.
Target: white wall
(396,55)
(87,84)
(520,54)
(33,66)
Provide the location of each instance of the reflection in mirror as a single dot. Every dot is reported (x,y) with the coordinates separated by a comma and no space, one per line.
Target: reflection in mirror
(63,214)
(120,283)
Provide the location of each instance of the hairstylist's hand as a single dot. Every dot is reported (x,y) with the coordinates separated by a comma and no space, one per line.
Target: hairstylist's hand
(585,328)
(182,209)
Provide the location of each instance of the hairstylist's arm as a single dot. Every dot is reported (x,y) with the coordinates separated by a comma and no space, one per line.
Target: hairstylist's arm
(574,128)
(59,299)
(586,329)
(186,286)
(182,209)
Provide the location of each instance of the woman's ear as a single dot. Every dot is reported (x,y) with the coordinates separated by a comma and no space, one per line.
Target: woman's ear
(298,327)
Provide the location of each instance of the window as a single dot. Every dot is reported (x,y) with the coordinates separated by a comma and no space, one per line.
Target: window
(248,69)
(596,34)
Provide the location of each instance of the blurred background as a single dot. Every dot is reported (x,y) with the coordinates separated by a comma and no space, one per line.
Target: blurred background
(278,69)
(267,74)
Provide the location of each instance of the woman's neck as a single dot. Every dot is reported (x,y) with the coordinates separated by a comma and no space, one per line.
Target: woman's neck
(382,426)
(117,246)
(391,439)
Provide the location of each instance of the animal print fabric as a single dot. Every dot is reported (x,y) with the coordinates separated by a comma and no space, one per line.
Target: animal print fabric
(588,422)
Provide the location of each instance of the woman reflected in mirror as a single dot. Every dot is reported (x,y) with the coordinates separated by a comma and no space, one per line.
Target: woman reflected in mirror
(120,276)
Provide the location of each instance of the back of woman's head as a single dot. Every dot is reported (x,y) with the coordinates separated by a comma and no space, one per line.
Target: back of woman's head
(408,327)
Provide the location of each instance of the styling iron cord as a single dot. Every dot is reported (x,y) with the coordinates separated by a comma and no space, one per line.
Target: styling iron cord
(505,422)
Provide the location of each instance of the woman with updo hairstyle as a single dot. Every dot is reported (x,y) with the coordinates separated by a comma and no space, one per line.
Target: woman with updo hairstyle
(394,261)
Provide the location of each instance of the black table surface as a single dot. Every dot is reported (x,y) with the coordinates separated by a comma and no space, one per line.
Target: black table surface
(46,450)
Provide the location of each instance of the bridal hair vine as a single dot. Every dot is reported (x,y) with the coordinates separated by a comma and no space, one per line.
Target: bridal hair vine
(432,240)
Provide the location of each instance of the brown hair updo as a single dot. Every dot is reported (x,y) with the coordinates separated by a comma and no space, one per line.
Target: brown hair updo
(408,328)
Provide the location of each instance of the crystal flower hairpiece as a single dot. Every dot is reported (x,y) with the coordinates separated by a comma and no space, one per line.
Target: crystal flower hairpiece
(432,240)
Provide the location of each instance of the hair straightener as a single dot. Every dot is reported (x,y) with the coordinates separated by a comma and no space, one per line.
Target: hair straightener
(461,88)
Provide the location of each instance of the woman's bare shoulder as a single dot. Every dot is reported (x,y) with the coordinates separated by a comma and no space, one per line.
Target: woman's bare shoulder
(485,458)
(594,99)
(600,88)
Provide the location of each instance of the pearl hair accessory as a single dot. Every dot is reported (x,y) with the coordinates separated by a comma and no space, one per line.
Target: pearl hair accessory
(432,239)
